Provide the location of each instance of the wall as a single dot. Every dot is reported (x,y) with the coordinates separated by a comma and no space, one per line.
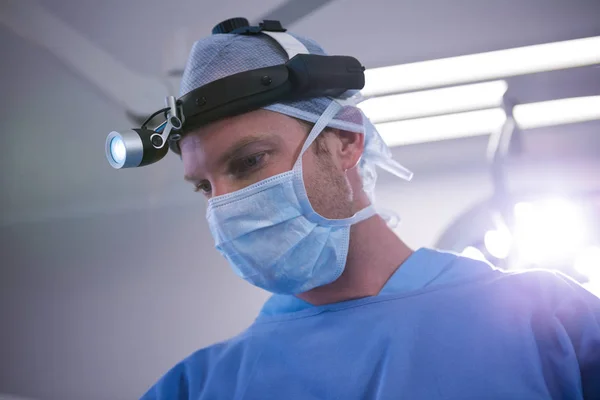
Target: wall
(98,308)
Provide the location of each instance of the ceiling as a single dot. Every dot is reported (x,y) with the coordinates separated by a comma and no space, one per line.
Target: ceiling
(54,121)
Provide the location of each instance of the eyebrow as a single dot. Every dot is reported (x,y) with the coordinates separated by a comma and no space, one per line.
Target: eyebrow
(237,148)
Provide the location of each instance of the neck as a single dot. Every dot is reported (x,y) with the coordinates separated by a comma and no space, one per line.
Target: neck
(375,253)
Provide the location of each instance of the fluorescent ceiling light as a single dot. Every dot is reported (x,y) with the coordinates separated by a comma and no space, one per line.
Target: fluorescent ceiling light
(452,126)
(483,122)
(435,102)
(557,112)
(483,66)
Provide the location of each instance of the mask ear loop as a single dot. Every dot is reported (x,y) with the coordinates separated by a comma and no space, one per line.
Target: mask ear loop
(299,186)
(330,112)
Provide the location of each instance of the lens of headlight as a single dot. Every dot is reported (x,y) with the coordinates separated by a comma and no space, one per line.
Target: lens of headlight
(117,150)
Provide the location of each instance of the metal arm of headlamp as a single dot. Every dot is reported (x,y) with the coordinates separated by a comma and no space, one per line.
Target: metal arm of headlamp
(173,123)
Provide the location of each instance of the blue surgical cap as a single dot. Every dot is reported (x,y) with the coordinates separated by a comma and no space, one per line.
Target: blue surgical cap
(221,55)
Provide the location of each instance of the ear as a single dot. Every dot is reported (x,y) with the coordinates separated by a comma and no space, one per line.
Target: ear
(352,147)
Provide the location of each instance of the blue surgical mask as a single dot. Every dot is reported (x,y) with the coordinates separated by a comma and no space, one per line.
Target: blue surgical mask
(274,239)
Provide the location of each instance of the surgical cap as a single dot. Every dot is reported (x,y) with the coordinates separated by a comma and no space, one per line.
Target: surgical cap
(221,55)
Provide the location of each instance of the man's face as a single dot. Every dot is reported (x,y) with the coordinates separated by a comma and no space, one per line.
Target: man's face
(236,152)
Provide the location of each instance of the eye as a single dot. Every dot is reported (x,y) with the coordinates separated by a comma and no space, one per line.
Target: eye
(252,161)
(245,165)
(203,187)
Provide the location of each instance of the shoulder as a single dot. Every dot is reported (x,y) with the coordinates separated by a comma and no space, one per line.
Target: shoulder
(543,292)
(175,384)
(186,379)
(483,274)
(550,289)
(543,282)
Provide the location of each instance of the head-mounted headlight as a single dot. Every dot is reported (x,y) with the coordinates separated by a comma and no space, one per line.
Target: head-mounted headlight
(304,76)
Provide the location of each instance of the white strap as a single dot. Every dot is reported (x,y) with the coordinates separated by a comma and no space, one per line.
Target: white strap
(290,44)
(330,112)
(293,46)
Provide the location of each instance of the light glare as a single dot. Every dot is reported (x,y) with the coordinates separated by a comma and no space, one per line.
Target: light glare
(498,242)
(474,253)
(587,263)
(548,231)
(117,150)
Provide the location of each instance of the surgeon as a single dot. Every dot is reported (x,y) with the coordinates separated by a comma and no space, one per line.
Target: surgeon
(355,313)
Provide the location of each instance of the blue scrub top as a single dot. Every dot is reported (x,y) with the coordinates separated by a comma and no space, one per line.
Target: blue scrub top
(443,327)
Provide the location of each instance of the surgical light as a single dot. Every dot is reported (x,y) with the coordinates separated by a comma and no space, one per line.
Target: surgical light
(498,242)
(482,66)
(548,230)
(587,263)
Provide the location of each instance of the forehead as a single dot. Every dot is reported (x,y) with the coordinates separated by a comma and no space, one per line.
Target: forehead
(200,147)
(223,132)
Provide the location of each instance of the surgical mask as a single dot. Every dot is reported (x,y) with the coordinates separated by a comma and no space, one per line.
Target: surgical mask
(273,238)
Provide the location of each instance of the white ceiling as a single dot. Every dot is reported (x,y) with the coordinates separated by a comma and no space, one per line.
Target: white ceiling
(380,32)
(54,122)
